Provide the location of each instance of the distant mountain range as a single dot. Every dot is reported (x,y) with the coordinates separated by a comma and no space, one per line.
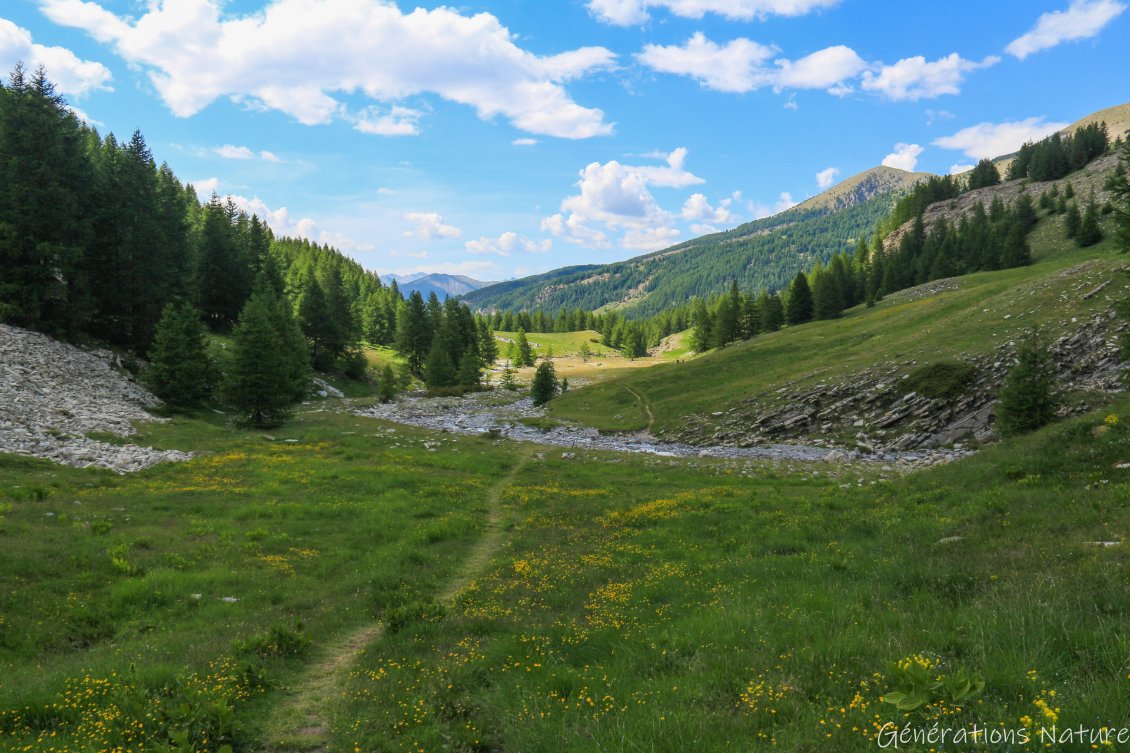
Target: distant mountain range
(442,285)
(766,253)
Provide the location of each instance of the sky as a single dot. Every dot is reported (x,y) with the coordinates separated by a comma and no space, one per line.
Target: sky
(501,138)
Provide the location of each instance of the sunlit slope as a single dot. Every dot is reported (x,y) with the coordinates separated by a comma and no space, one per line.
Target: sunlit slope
(952,319)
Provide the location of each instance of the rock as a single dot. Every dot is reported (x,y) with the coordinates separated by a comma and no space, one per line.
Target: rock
(836,456)
(52,393)
(228,599)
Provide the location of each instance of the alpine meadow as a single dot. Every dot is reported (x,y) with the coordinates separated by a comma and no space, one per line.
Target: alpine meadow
(612,376)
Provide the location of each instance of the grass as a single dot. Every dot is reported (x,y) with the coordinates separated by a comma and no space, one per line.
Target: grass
(623,602)
(985,310)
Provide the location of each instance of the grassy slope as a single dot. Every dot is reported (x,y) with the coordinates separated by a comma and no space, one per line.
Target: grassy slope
(636,602)
(986,310)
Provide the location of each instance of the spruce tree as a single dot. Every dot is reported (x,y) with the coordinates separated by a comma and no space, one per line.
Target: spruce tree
(413,335)
(438,369)
(470,374)
(523,355)
(1016,250)
(488,346)
(544,386)
(1072,221)
(181,371)
(798,310)
(984,174)
(1027,398)
(386,390)
(772,312)
(827,296)
(260,383)
(1089,232)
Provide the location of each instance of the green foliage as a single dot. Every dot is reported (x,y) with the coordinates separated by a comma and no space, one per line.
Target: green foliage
(798,308)
(470,374)
(439,371)
(387,387)
(942,380)
(983,175)
(1027,399)
(181,371)
(545,386)
(268,371)
(276,641)
(1059,155)
(523,355)
(1089,232)
(918,684)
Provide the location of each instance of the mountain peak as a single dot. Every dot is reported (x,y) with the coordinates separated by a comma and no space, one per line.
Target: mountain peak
(863,187)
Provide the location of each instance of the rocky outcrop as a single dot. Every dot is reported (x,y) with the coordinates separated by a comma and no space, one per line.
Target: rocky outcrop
(52,394)
(879,414)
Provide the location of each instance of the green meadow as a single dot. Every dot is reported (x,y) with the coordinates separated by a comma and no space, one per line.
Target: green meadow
(344,584)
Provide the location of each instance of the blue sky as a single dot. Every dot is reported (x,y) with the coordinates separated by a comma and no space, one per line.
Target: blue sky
(499,138)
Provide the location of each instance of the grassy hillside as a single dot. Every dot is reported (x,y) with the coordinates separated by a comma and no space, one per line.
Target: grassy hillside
(766,254)
(968,315)
(463,594)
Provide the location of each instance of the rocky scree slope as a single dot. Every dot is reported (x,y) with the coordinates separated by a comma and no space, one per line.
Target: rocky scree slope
(52,394)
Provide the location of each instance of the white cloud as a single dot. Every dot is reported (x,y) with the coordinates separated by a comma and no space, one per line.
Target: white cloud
(399,121)
(1082,19)
(735,67)
(698,208)
(986,140)
(293,57)
(826,178)
(524,142)
(791,104)
(914,78)
(742,65)
(960,168)
(508,243)
(283,224)
(574,230)
(649,238)
(84,116)
(671,176)
(630,12)
(429,226)
(228,151)
(904,157)
(70,74)
(825,69)
(205,188)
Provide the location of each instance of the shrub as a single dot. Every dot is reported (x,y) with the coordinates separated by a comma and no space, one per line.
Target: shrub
(943,380)
(1027,399)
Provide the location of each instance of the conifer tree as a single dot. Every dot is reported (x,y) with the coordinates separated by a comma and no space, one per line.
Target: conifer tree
(984,174)
(1089,232)
(488,346)
(261,381)
(181,371)
(438,370)
(386,390)
(470,375)
(544,386)
(1072,221)
(523,355)
(827,295)
(798,309)
(772,312)
(1027,398)
(413,335)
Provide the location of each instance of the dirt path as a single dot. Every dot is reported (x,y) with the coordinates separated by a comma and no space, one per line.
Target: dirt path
(300,723)
(646,407)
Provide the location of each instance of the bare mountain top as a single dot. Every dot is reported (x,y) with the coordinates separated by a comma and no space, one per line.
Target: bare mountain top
(1117,121)
(866,185)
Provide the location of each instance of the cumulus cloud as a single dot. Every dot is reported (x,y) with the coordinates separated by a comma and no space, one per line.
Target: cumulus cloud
(1082,19)
(912,79)
(296,55)
(960,168)
(734,67)
(671,176)
(205,188)
(986,140)
(524,142)
(630,12)
(827,177)
(742,65)
(508,243)
(429,226)
(70,74)
(698,208)
(904,157)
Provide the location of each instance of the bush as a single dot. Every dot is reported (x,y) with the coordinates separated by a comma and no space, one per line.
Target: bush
(545,384)
(943,380)
(279,640)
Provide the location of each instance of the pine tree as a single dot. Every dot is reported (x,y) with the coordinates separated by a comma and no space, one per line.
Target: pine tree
(317,323)
(488,346)
(827,296)
(1027,398)
(984,174)
(438,370)
(544,386)
(772,312)
(1072,221)
(413,335)
(798,310)
(702,332)
(1089,232)
(386,390)
(470,374)
(260,383)
(181,371)
(1016,250)
(523,355)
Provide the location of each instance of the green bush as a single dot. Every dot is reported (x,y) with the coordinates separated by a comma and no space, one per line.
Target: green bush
(943,380)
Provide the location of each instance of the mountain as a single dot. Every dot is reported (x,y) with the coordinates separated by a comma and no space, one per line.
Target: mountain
(766,253)
(442,285)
